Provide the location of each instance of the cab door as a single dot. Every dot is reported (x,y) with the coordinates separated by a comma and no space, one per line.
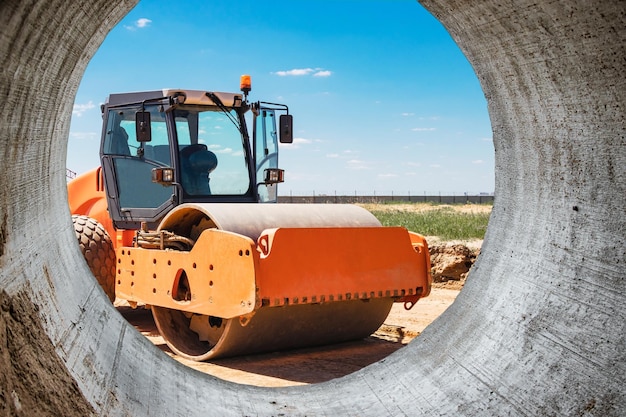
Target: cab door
(266,152)
(132,197)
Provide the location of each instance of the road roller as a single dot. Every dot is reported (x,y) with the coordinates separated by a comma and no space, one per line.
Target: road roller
(181,216)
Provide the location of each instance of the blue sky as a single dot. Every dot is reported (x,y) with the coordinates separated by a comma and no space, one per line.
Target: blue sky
(382,98)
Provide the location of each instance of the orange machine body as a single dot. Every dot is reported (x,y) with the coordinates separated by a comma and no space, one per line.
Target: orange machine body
(229,275)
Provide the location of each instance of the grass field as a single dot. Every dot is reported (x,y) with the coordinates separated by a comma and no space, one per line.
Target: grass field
(445,221)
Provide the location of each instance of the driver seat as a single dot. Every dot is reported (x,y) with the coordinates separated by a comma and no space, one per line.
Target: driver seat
(197,162)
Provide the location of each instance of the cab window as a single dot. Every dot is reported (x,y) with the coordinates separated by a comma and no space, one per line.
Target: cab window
(211,152)
(133,161)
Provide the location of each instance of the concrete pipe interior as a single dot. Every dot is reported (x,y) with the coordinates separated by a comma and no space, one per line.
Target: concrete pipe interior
(543,329)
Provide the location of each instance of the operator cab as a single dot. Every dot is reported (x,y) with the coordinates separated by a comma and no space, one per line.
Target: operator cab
(163,148)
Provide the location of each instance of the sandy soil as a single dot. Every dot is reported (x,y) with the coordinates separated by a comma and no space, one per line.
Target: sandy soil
(312,365)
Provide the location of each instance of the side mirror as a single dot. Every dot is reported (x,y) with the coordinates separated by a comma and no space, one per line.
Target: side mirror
(285,128)
(142,126)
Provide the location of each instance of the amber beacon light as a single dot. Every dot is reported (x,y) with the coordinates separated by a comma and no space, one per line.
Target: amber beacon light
(246,84)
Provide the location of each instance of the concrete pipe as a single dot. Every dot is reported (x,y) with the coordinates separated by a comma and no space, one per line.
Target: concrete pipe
(543,324)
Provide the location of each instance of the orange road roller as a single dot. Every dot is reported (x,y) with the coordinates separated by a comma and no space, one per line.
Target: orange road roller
(174,218)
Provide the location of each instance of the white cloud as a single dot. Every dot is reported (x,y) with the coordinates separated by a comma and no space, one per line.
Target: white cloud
(301,141)
(84,135)
(218,149)
(387,175)
(297,142)
(139,24)
(424,129)
(435,166)
(295,72)
(357,164)
(143,22)
(299,72)
(407,114)
(478,161)
(79,109)
(225,150)
(332,155)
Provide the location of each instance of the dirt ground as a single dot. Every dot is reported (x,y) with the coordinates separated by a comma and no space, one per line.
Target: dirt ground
(421,207)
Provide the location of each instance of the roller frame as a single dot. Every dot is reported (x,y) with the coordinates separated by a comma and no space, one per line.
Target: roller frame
(230,275)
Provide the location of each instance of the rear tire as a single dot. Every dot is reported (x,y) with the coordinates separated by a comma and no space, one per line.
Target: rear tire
(98,251)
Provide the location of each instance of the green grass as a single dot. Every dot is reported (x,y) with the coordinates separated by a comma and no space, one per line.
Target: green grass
(445,222)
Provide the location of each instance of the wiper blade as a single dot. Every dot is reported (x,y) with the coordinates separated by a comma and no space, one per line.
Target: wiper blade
(223,108)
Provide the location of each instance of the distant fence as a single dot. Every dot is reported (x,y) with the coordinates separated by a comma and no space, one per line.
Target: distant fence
(347,199)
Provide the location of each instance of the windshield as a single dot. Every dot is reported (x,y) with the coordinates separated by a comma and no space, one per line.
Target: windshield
(211,152)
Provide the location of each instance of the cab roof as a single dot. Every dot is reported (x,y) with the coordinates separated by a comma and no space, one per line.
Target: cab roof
(198,97)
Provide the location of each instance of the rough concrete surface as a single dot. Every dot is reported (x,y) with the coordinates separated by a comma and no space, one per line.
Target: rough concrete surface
(544,325)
